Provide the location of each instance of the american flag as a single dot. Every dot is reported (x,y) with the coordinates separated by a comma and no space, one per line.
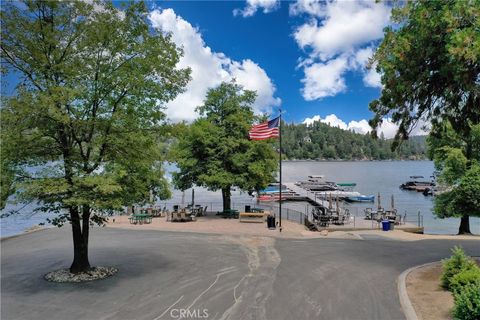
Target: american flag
(265,130)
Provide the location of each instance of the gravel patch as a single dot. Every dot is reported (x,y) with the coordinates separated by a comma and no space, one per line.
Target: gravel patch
(96,273)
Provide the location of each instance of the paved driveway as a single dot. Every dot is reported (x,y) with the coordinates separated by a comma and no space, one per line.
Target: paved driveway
(162,274)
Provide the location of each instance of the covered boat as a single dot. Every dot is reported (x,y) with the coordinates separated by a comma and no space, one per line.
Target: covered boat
(361,198)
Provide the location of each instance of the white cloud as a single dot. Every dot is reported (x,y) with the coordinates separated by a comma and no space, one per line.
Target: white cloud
(388,128)
(324,79)
(333,121)
(209,69)
(361,126)
(345,26)
(254,5)
(252,77)
(310,121)
(311,7)
(338,30)
(371,78)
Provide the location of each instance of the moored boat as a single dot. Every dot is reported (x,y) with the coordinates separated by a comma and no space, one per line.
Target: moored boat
(417,185)
(361,198)
(337,194)
(317,183)
(347,184)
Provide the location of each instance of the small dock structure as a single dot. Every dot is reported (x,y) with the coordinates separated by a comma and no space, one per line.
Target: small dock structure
(310,195)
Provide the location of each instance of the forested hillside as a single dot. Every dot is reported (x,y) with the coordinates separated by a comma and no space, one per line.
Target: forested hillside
(321,141)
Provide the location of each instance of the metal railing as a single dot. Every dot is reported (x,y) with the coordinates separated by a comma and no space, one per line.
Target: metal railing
(299,213)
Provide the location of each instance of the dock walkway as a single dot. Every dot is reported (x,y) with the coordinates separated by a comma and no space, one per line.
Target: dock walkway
(308,194)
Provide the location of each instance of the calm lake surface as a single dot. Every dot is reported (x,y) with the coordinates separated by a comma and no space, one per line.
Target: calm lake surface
(371,177)
(385,177)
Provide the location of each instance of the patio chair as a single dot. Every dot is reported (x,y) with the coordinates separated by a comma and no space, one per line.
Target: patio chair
(132,220)
(324,221)
(176,216)
(368,214)
(315,216)
(183,215)
(341,219)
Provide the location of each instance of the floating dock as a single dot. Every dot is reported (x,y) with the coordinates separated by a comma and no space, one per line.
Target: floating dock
(311,197)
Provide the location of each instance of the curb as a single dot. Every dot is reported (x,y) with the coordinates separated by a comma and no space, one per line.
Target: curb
(405,302)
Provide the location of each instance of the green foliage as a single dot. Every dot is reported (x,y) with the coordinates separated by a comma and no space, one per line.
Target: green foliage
(334,143)
(215,151)
(7,180)
(463,278)
(442,135)
(88,109)
(430,62)
(456,160)
(452,165)
(462,199)
(457,263)
(467,302)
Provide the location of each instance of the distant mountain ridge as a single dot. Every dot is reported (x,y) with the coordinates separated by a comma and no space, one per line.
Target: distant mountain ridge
(320,141)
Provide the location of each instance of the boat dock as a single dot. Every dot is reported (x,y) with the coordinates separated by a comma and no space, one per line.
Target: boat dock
(310,195)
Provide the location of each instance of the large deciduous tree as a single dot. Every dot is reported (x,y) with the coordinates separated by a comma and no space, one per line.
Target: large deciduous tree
(86,114)
(429,62)
(215,152)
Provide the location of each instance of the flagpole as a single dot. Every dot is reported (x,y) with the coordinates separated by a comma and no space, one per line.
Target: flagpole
(280,166)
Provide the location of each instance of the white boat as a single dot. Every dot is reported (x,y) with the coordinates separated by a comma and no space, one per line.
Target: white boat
(317,183)
(337,193)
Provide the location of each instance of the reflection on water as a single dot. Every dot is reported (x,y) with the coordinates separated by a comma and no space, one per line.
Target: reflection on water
(371,177)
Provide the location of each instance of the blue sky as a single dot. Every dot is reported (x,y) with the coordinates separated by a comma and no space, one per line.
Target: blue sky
(307,56)
(268,40)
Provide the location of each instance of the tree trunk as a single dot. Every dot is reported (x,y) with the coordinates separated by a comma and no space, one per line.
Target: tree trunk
(226,198)
(80,239)
(465,220)
(464,225)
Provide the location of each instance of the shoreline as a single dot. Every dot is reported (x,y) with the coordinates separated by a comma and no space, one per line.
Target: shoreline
(291,230)
(356,160)
(232,227)
(32,229)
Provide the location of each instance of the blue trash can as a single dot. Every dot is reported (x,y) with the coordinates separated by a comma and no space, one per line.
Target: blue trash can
(385,225)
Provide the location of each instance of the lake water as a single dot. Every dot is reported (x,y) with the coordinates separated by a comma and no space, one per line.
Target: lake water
(384,177)
(371,177)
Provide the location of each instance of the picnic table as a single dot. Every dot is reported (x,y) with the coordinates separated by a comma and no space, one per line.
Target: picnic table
(140,218)
(231,213)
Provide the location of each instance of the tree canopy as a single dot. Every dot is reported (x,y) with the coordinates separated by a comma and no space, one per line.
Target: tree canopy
(430,66)
(429,62)
(459,177)
(321,141)
(215,152)
(87,111)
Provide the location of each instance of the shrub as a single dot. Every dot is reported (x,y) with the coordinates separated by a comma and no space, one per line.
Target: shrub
(467,303)
(458,262)
(470,276)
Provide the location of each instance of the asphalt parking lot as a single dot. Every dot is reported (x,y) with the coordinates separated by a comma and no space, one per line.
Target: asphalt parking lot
(168,275)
